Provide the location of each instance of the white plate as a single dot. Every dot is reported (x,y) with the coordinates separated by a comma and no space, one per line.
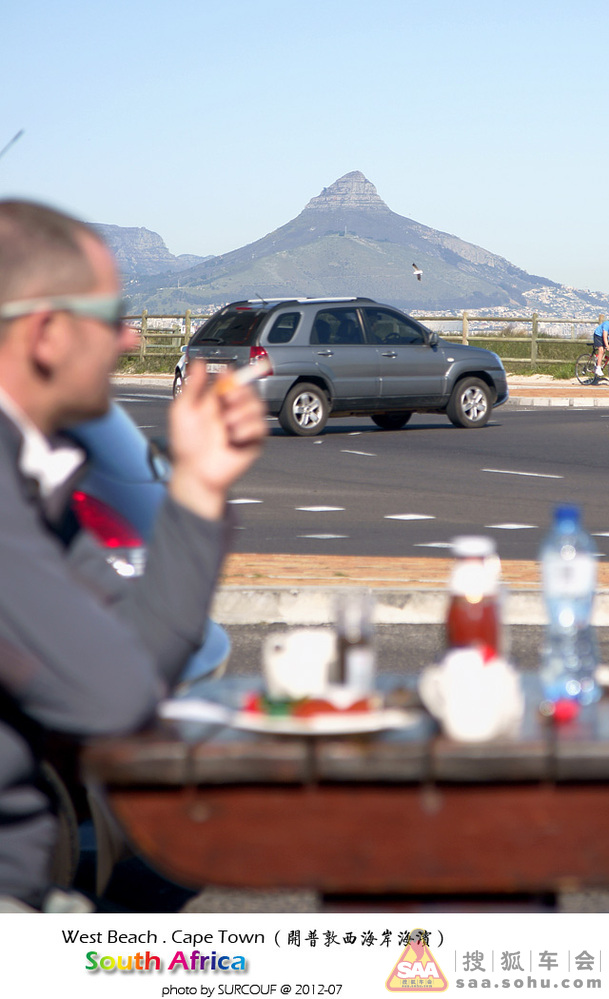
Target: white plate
(197,709)
(332,723)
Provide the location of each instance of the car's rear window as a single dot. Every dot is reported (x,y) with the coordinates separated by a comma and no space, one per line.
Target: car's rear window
(236,328)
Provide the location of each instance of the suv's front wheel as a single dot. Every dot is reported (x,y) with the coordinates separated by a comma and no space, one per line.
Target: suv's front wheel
(470,403)
(178,384)
(305,410)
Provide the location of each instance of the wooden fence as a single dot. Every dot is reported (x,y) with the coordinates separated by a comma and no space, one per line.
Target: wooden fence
(535,321)
(168,338)
(175,331)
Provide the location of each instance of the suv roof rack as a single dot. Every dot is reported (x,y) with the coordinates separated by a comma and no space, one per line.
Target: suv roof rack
(304,298)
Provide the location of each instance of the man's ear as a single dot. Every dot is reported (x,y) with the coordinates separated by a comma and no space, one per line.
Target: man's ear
(47,340)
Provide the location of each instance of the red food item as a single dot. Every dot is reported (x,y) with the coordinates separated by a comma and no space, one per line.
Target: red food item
(318,706)
(362,705)
(313,706)
(253,702)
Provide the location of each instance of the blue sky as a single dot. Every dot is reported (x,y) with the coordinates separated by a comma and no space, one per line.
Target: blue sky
(212,123)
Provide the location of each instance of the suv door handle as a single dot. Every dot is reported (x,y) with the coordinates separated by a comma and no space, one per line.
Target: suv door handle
(389,353)
(325,353)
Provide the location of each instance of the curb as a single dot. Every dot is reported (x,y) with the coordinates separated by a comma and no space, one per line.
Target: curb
(537,394)
(564,402)
(301,606)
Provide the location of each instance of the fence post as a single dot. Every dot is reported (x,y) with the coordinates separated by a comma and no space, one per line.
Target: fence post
(465,334)
(144,334)
(534,332)
(187,322)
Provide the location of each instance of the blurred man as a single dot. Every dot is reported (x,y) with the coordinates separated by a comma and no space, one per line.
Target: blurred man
(81,652)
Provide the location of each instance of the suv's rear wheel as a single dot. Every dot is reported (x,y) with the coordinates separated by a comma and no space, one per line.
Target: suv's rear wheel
(470,404)
(305,410)
(391,421)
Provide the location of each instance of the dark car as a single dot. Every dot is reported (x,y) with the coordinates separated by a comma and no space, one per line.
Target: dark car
(349,357)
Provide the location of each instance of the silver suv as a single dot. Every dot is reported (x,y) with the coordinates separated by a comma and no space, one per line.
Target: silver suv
(349,357)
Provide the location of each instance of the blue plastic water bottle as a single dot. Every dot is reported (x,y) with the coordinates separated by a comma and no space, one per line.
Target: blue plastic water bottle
(569,571)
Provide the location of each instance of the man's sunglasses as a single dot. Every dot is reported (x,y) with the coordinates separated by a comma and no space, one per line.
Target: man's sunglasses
(109,309)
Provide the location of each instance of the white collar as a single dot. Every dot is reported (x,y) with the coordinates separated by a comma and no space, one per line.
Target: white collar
(38,459)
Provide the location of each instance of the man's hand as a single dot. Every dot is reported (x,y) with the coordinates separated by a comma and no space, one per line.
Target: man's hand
(214,439)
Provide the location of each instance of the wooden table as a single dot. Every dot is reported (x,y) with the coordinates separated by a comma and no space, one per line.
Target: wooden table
(406,812)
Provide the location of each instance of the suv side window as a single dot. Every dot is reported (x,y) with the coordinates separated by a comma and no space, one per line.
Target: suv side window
(284,328)
(386,327)
(337,326)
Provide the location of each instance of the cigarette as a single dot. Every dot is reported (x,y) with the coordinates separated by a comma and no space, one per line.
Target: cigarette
(242,376)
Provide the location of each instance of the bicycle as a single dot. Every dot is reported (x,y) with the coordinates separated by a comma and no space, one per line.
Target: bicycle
(585,365)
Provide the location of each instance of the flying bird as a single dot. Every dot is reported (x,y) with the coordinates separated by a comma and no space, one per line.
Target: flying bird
(417,272)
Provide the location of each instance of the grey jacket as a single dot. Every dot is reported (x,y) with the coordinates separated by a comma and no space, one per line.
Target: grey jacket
(82,651)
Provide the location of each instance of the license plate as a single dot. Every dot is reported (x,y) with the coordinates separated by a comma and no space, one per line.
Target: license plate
(216,369)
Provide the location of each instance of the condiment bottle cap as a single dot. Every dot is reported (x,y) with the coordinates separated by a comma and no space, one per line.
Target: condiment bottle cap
(473,546)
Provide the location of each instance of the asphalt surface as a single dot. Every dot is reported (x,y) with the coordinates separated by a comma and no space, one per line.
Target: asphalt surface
(358,491)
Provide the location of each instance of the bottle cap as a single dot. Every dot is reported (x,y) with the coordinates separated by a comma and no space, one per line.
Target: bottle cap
(567,516)
(473,546)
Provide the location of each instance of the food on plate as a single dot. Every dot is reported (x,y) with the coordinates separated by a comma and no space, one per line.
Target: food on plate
(308,707)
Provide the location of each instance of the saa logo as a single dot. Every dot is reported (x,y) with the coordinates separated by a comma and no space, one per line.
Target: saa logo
(416,970)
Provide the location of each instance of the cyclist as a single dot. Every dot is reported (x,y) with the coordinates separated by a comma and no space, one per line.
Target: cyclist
(601,344)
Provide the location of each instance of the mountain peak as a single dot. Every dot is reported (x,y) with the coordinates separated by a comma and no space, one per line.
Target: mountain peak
(353,190)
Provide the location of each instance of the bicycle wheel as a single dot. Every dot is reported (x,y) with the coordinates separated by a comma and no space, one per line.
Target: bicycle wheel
(584,368)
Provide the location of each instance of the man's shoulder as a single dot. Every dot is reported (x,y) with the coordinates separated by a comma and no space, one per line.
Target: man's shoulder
(10,441)
(11,480)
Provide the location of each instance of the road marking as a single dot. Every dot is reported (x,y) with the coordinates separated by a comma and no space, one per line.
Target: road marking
(368,454)
(244,500)
(433,544)
(138,398)
(319,509)
(147,426)
(600,534)
(534,475)
(511,527)
(323,537)
(409,516)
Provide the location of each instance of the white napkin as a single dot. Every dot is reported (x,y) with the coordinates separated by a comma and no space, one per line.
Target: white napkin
(473,699)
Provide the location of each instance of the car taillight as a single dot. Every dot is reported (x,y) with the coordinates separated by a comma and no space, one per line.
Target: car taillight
(108,526)
(256,353)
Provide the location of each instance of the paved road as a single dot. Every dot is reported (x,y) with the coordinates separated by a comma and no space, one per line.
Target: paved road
(356,490)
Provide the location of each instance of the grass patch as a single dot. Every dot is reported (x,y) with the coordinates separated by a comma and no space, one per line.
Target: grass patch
(516,355)
(558,371)
(149,365)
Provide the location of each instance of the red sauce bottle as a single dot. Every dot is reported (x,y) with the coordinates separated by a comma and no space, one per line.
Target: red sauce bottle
(473,617)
